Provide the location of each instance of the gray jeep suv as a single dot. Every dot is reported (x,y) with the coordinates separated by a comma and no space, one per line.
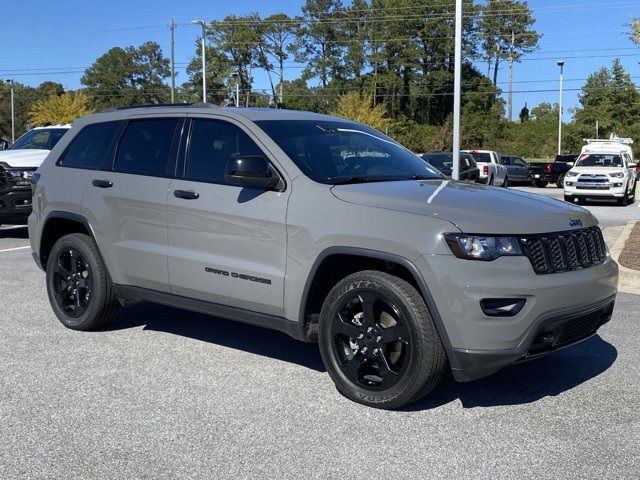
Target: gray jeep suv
(321,228)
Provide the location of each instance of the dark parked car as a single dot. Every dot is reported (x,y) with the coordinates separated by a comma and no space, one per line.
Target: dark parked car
(517,168)
(443,162)
(541,174)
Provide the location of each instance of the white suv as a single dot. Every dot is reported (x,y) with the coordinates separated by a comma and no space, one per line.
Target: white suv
(604,169)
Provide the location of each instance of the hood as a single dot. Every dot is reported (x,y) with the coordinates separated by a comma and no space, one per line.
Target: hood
(472,208)
(26,157)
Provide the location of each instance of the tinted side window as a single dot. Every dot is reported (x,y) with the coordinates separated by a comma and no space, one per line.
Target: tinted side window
(89,147)
(212,144)
(145,147)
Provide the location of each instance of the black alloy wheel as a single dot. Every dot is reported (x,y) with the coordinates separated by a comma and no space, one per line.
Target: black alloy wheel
(72,283)
(371,340)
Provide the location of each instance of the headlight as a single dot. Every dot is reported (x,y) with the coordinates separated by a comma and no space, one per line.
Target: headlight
(617,175)
(480,247)
(21,177)
(571,174)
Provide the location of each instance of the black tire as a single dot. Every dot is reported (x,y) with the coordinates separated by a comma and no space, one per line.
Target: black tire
(505,184)
(568,198)
(624,201)
(396,358)
(490,182)
(540,183)
(560,181)
(632,199)
(78,285)
(581,201)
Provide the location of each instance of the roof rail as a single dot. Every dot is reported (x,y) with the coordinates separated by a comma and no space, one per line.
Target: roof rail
(624,141)
(157,105)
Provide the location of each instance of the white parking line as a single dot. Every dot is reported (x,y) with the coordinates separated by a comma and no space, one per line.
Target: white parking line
(14,249)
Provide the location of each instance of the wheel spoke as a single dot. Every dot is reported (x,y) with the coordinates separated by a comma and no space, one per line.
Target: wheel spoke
(342,325)
(352,366)
(397,333)
(74,261)
(388,376)
(368,301)
(62,271)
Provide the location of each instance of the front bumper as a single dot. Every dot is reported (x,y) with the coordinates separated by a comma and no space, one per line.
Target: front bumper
(15,205)
(609,191)
(478,345)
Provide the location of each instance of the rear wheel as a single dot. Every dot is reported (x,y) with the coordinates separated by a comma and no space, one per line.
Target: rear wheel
(378,341)
(79,289)
(490,182)
(505,184)
(560,181)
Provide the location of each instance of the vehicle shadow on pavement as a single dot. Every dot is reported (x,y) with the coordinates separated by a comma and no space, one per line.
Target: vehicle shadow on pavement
(527,382)
(248,338)
(14,232)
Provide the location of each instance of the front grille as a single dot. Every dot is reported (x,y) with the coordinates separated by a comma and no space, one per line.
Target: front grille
(593,178)
(565,251)
(3,178)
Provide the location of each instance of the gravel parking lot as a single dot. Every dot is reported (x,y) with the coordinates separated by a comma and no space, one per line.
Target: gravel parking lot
(164,393)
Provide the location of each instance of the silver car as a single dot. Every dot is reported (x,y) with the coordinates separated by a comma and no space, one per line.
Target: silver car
(319,227)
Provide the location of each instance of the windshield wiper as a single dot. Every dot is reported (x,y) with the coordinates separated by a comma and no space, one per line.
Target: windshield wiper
(365,179)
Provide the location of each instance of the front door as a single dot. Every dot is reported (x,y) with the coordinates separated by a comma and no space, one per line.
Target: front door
(227,244)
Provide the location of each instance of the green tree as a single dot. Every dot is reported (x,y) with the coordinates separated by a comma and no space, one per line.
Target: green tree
(319,43)
(128,76)
(505,32)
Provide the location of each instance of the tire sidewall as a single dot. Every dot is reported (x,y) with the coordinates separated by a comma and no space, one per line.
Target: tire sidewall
(98,293)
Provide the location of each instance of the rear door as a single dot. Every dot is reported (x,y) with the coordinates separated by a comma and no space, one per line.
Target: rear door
(519,169)
(227,244)
(128,204)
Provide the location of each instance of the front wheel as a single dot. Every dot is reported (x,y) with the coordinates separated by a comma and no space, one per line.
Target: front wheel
(78,285)
(568,198)
(560,181)
(624,201)
(490,182)
(378,341)
(505,184)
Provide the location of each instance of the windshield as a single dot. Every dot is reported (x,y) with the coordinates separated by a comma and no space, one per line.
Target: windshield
(599,160)
(482,157)
(335,152)
(439,160)
(41,139)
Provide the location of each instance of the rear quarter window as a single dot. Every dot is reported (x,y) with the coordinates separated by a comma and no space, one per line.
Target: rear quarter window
(89,147)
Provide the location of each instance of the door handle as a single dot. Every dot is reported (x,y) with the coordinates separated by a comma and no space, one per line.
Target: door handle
(186,194)
(102,183)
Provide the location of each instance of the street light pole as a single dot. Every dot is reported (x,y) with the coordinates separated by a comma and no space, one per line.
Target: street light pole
(172,29)
(236,77)
(561,65)
(203,24)
(13,114)
(457,80)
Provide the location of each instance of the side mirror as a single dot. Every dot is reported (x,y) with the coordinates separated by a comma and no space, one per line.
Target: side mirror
(4,145)
(570,164)
(632,165)
(251,171)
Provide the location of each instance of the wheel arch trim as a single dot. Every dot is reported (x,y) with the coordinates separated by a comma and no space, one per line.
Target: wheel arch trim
(75,217)
(377,255)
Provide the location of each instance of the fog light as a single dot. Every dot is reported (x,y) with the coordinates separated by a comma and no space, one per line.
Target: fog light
(502,307)
(570,184)
(617,184)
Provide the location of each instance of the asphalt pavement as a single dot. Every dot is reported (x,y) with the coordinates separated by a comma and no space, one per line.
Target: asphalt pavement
(164,393)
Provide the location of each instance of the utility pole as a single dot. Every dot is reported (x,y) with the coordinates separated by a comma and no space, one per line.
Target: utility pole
(510,110)
(457,81)
(597,130)
(203,24)
(13,113)
(561,65)
(172,29)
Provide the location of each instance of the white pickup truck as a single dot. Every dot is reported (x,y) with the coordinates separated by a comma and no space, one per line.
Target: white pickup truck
(604,169)
(492,172)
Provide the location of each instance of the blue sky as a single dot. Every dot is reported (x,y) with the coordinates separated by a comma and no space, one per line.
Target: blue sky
(68,35)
